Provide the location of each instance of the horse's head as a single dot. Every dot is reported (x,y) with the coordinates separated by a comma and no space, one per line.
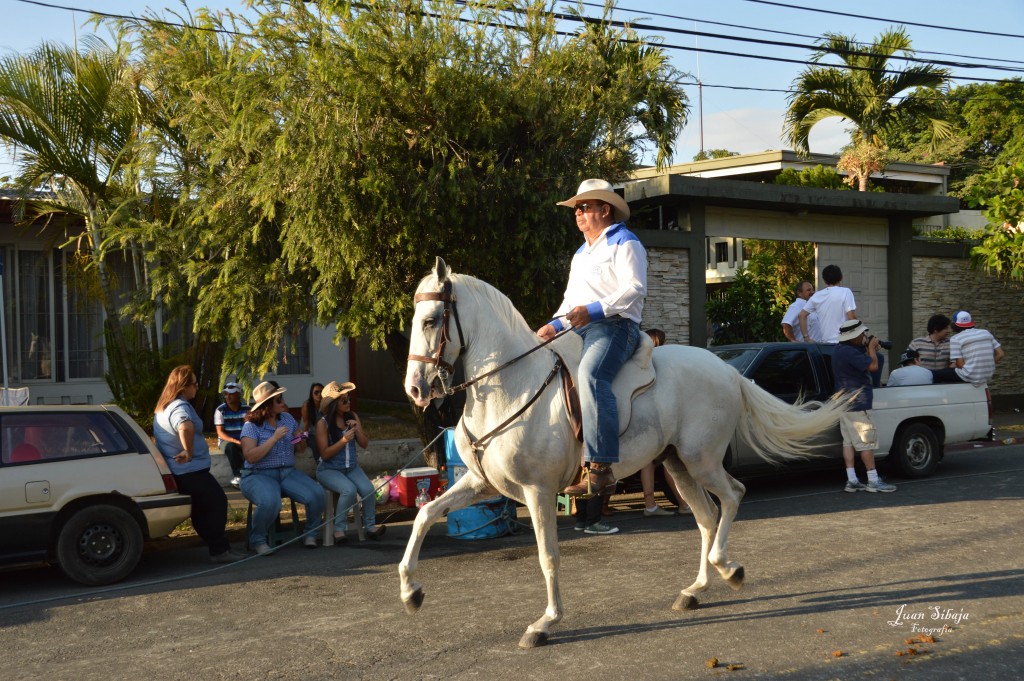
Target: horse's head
(432,350)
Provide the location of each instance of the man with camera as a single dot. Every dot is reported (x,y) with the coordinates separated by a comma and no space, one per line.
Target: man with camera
(854,358)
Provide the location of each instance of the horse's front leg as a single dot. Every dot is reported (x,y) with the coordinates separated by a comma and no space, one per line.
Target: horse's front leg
(545,528)
(461,494)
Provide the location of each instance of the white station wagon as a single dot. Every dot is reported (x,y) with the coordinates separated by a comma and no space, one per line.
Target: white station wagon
(83,487)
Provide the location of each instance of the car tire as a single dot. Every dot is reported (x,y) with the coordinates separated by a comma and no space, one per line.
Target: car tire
(99,545)
(916,451)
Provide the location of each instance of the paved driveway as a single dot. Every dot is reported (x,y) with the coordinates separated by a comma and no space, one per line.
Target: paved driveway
(836,585)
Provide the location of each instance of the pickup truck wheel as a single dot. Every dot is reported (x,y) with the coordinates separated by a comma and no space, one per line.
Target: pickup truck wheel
(916,451)
(99,545)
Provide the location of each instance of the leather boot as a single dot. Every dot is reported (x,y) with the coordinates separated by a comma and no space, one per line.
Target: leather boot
(598,479)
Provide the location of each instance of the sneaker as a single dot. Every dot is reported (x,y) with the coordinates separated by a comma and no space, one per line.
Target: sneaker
(683,510)
(310,541)
(263,549)
(228,556)
(857,486)
(880,486)
(236,482)
(656,511)
(579,527)
(600,528)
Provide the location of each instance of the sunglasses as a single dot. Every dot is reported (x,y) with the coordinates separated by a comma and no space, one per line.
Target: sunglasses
(584,207)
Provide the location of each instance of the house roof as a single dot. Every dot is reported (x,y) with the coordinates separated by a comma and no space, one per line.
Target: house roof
(671,188)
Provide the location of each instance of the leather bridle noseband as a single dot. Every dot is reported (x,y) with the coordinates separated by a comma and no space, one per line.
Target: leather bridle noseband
(445,370)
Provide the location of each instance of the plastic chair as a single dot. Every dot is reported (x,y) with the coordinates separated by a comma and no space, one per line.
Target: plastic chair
(331,498)
(277,534)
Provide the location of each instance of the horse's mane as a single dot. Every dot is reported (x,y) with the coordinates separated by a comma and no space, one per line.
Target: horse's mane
(501,307)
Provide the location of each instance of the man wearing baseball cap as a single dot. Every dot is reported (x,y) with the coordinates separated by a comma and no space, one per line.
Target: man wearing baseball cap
(910,372)
(228,419)
(973,353)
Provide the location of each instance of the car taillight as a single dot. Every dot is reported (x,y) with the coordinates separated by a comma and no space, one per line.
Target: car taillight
(170,485)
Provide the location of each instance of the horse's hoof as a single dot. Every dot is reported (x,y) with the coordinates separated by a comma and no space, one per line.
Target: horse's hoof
(686,602)
(413,603)
(735,580)
(533,639)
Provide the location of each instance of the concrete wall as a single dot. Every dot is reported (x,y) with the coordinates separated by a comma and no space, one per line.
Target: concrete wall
(945,285)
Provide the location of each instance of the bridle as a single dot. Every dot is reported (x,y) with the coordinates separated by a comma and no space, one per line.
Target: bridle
(445,370)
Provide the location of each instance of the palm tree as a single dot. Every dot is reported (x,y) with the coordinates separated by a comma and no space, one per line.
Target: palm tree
(75,120)
(863,92)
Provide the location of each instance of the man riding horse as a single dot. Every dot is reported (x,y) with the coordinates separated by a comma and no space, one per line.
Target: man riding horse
(603,303)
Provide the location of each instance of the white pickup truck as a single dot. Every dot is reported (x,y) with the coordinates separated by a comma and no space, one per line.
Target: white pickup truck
(914,423)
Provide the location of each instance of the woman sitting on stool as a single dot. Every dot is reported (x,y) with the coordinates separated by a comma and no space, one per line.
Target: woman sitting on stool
(337,432)
(269,437)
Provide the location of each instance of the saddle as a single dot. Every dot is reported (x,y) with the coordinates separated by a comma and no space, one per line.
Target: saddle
(635,377)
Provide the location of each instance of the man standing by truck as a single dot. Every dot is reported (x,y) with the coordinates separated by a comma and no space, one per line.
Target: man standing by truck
(854,358)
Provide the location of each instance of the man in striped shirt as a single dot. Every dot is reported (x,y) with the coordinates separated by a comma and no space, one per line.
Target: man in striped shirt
(933,349)
(973,352)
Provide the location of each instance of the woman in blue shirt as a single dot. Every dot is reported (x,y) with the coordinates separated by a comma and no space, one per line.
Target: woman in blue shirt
(269,437)
(337,433)
(179,437)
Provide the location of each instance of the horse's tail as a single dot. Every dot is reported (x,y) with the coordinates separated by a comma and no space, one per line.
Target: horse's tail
(779,431)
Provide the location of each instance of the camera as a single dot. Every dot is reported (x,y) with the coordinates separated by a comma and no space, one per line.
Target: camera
(886,345)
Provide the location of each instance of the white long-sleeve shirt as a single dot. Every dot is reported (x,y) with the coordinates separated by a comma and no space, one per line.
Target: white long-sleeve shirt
(609,277)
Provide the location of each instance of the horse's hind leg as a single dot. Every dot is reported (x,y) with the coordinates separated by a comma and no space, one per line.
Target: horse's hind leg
(545,527)
(706,514)
(461,494)
(730,492)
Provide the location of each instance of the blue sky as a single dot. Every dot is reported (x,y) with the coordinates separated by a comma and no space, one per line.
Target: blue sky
(740,120)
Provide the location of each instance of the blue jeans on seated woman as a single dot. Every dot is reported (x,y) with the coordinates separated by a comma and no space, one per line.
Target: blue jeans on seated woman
(347,482)
(264,487)
(607,345)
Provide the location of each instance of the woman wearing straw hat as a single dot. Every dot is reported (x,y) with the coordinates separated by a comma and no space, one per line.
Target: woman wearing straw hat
(268,445)
(337,433)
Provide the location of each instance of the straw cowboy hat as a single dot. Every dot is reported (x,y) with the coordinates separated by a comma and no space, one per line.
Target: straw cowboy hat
(850,329)
(333,391)
(601,190)
(263,392)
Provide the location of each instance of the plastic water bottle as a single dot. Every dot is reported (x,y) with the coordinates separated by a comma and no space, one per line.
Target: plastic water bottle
(422,498)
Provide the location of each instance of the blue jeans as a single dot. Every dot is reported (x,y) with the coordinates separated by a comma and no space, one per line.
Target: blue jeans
(264,487)
(347,482)
(607,345)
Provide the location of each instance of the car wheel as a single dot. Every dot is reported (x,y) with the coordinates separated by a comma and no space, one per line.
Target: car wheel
(916,451)
(99,545)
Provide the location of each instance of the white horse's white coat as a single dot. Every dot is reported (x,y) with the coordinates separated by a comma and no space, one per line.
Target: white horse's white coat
(695,406)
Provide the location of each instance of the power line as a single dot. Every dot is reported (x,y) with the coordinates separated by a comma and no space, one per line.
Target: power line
(890,21)
(789,33)
(132,17)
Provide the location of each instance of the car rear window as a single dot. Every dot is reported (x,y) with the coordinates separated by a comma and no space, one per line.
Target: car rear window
(738,358)
(27,437)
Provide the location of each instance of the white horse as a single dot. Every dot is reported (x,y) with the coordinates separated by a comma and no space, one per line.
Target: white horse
(688,417)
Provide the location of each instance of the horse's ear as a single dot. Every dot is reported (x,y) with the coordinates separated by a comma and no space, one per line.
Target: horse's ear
(441,270)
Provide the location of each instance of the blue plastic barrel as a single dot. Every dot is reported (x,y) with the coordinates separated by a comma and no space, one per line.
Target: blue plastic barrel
(482,520)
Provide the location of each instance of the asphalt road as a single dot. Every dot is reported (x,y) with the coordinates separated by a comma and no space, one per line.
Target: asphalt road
(836,585)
